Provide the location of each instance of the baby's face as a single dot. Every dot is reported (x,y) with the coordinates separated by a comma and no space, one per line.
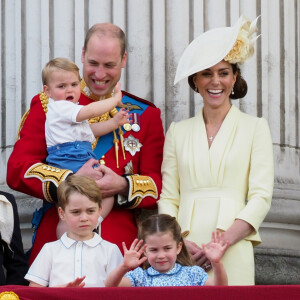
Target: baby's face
(63,85)
(81,216)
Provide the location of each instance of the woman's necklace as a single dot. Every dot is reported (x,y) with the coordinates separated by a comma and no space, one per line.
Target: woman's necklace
(213,133)
(212,128)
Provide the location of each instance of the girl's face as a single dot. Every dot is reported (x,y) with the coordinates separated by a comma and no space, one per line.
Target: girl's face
(162,251)
(215,84)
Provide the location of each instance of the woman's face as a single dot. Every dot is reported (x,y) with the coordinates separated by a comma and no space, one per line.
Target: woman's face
(215,84)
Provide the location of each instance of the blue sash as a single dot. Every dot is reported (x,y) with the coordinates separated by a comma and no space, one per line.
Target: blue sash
(105,143)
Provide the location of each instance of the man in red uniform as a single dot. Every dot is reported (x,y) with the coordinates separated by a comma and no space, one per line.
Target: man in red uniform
(124,154)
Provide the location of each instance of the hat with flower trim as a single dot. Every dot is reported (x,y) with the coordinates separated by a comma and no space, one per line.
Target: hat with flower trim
(233,44)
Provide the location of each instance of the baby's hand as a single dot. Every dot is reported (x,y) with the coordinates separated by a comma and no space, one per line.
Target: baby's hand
(132,256)
(117,94)
(122,117)
(215,250)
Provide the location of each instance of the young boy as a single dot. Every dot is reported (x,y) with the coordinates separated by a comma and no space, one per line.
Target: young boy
(80,257)
(68,133)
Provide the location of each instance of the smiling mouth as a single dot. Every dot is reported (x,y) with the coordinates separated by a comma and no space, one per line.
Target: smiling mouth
(100,83)
(215,92)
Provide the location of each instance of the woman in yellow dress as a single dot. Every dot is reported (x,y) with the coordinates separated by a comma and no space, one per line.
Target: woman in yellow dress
(218,166)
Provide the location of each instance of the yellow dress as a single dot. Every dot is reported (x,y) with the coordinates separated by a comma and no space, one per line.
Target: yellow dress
(208,188)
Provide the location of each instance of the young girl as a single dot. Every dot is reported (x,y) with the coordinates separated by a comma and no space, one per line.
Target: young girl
(167,261)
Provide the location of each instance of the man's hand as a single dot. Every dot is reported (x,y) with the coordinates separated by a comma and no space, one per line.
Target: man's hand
(111,183)
(91,169)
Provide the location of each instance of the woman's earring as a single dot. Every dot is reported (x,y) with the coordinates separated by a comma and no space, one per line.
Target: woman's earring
(232,91)
(196,89)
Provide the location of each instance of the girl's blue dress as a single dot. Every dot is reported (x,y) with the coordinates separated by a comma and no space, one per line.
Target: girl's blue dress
(178,276)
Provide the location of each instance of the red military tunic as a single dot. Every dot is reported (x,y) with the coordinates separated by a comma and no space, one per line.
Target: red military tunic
(27,172)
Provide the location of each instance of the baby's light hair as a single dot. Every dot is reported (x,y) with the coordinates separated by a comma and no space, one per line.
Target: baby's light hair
(58,63)
(78,184)
(163,223)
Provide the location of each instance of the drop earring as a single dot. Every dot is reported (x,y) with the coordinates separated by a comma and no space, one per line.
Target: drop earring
(196,89)
(232,91)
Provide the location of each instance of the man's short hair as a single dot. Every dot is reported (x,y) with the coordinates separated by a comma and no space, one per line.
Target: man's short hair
(106,29)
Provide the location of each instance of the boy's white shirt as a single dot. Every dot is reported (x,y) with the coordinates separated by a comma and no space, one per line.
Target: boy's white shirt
(61,126)
(62,261)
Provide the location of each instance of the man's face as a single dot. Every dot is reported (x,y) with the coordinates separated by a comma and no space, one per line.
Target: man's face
(102,64)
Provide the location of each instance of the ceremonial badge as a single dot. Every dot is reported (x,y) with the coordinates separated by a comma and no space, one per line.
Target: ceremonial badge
(132,145)
(131,106)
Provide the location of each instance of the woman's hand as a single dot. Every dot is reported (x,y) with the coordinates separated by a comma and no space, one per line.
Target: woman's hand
(237,231)
(198,255)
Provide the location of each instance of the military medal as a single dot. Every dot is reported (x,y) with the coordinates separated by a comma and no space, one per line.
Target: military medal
(135,122)
(132,145)
(127,126)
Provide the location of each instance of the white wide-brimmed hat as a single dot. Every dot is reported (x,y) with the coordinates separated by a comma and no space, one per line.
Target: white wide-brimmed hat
(233,44)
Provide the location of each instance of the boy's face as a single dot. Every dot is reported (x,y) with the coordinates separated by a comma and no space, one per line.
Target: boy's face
(81,216)
(63,85)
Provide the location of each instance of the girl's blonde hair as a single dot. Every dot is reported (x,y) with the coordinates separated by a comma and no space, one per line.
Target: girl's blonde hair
(163,223)
(58,63)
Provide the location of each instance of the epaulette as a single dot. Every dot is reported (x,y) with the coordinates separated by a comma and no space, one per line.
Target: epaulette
(44,101)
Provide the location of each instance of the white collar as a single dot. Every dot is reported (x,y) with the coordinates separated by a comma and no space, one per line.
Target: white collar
(152,272)
(93,242)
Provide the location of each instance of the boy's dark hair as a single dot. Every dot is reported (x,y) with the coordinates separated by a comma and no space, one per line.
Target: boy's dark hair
(78,184)
(162,223)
